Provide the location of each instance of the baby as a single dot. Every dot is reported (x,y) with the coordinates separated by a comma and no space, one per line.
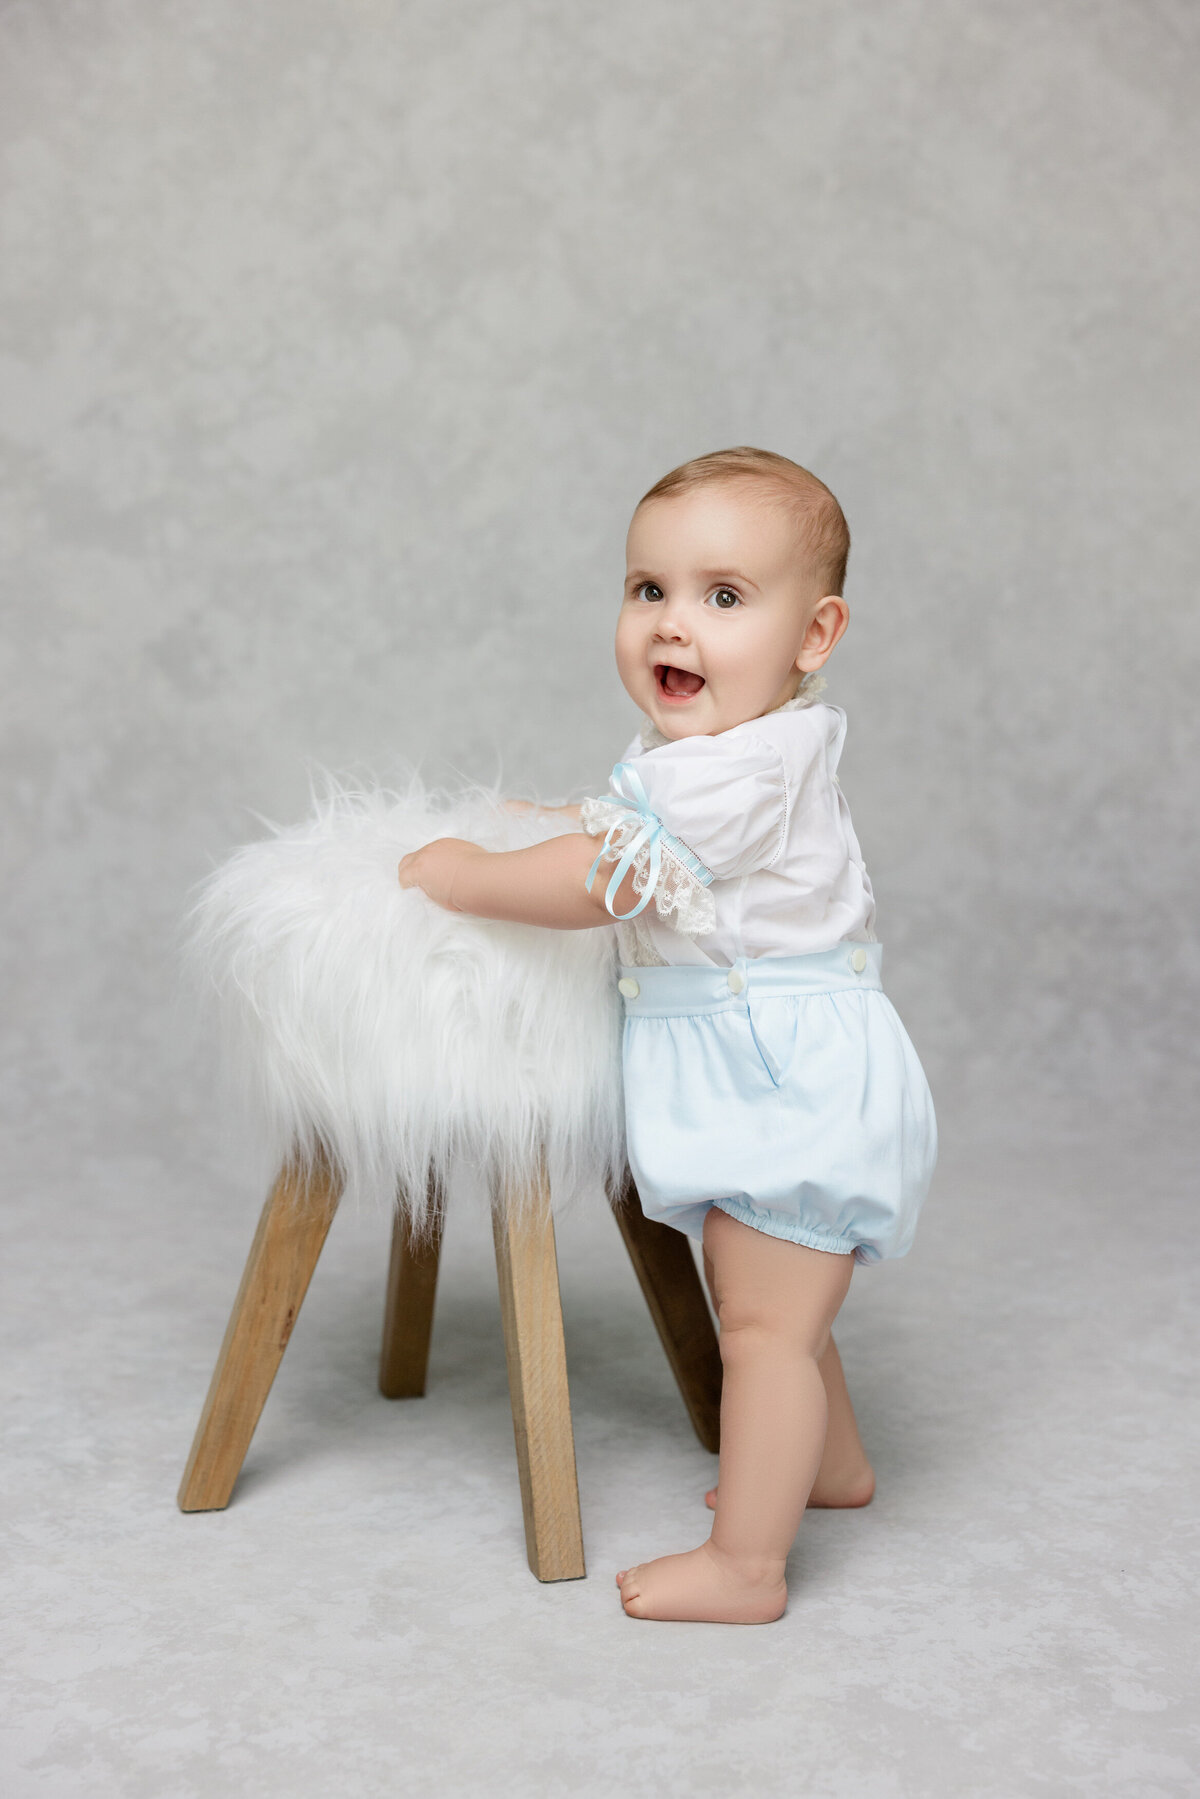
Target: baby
(775,1107)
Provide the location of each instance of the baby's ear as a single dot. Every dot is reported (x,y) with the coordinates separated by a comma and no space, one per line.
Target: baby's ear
(830,616)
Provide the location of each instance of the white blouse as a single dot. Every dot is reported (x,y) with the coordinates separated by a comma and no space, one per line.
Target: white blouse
(741,843)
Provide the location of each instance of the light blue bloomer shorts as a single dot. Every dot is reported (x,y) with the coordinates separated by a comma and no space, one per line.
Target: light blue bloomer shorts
(784,1090)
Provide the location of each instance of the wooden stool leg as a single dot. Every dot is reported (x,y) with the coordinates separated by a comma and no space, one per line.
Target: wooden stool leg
(291,1233)
(537,1379)
(662,1261)
(411,1289)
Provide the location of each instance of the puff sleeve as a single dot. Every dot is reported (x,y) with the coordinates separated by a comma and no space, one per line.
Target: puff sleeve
(686,814)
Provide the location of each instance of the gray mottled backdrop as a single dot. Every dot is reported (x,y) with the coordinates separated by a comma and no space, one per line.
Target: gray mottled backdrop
(339,340)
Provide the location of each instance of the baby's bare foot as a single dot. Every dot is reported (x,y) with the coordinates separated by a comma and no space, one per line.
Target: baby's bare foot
(842,1490)
(704,1586)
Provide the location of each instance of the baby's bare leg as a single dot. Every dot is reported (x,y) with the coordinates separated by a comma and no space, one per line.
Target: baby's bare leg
(775,1304)
(845,1477)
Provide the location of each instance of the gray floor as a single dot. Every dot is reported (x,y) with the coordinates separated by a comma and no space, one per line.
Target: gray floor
(1010,1616)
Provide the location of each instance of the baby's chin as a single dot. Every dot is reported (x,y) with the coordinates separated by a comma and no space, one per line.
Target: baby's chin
(694,723)
(700,716)
(694,719)
(676,730)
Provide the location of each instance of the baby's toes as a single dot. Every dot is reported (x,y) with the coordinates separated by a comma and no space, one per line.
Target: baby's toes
(631,1589)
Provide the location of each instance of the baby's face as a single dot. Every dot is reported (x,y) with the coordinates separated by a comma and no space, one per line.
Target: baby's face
(722,614)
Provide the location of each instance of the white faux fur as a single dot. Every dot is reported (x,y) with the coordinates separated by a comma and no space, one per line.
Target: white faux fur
(361,1016)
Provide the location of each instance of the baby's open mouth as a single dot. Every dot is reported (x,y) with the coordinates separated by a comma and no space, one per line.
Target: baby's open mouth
(680,683)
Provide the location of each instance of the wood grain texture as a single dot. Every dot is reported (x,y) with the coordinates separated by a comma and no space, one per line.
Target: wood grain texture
(674,1292)
(411,1291)
(291,1234)
(531,1309)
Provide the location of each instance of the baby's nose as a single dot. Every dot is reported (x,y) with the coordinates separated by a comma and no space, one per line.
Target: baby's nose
(671,626)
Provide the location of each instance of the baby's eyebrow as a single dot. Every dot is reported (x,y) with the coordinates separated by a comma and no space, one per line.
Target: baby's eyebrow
(728,574)
(637,575)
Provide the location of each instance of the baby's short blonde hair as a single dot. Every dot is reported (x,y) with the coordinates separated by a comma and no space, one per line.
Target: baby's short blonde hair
(823,532)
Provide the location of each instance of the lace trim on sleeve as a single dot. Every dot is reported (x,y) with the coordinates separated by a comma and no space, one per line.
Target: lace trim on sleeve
(679,897)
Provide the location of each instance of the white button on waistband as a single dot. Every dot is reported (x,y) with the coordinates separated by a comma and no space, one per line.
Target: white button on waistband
(737,980)
(628,986)
(858,960)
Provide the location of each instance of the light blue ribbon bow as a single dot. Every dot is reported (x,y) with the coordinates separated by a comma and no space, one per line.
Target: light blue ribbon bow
(632,798)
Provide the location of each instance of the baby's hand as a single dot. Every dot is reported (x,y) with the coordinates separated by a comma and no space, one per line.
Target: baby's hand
(432,867)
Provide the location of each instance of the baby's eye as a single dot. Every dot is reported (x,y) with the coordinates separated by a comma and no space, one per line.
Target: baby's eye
(647,590)
(725,599)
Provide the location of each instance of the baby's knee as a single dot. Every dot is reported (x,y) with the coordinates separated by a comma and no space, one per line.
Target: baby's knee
(748,1334)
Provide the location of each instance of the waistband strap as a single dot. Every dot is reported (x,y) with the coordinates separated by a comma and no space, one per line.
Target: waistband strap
(676,991)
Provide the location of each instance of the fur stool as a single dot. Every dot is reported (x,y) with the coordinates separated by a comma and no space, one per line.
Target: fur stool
(378,1039)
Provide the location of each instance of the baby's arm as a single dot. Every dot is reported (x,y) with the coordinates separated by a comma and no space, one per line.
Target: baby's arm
(572,812)
(544,884)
